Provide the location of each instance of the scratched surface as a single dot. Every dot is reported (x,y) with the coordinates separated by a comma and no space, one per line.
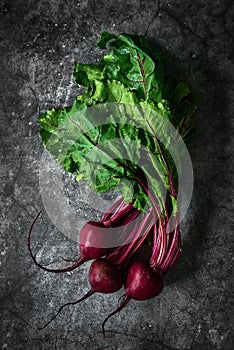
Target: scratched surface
(39,40)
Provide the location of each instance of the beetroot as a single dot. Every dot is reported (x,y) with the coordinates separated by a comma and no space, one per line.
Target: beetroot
(91,240)
(104,276)
(142,282)
(155,115)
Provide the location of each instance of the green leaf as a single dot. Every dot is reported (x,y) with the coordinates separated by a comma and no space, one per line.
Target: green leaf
(131,63)
(105,37)
(106,151)
(84,73)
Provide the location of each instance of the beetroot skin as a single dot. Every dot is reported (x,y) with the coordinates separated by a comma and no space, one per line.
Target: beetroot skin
(104,276)
(142,282)
(91,240)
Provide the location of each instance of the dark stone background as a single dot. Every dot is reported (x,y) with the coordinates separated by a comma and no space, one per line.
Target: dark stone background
(39,40)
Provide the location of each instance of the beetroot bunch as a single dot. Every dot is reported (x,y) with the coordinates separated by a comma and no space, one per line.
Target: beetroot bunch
(117,266)
(128,97)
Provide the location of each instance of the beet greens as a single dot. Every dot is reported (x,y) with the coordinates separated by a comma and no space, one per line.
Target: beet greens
(128,98)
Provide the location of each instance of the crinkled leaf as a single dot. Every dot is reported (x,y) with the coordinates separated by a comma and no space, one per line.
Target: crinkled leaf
(132,63)
(131,74)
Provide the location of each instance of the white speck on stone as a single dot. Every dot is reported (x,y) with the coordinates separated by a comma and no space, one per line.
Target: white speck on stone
(29,123)
(63,45)
(13,113)
(3,252)
(150,325)
(199,329)
(29,104)
(83,37)
(214,336)
(8,334)
(60,63)
(56,24)
(113,25)
(194,56)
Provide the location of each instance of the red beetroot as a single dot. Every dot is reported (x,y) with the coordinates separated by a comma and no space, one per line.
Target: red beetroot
(142,282)
(104,276)
(91,240)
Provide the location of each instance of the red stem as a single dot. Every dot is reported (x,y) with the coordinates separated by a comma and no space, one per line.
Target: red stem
(174,248)
(145,227)
(142,73)
(165,162)
(111,210)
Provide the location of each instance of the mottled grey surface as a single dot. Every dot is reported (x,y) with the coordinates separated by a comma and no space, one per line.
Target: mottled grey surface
(39,40)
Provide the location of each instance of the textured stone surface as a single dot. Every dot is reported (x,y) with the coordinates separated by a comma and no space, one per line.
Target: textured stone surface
(39,40)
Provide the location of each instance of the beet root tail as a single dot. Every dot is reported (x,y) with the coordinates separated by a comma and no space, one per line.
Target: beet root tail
(124,300)
(87,295)
(77,263)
